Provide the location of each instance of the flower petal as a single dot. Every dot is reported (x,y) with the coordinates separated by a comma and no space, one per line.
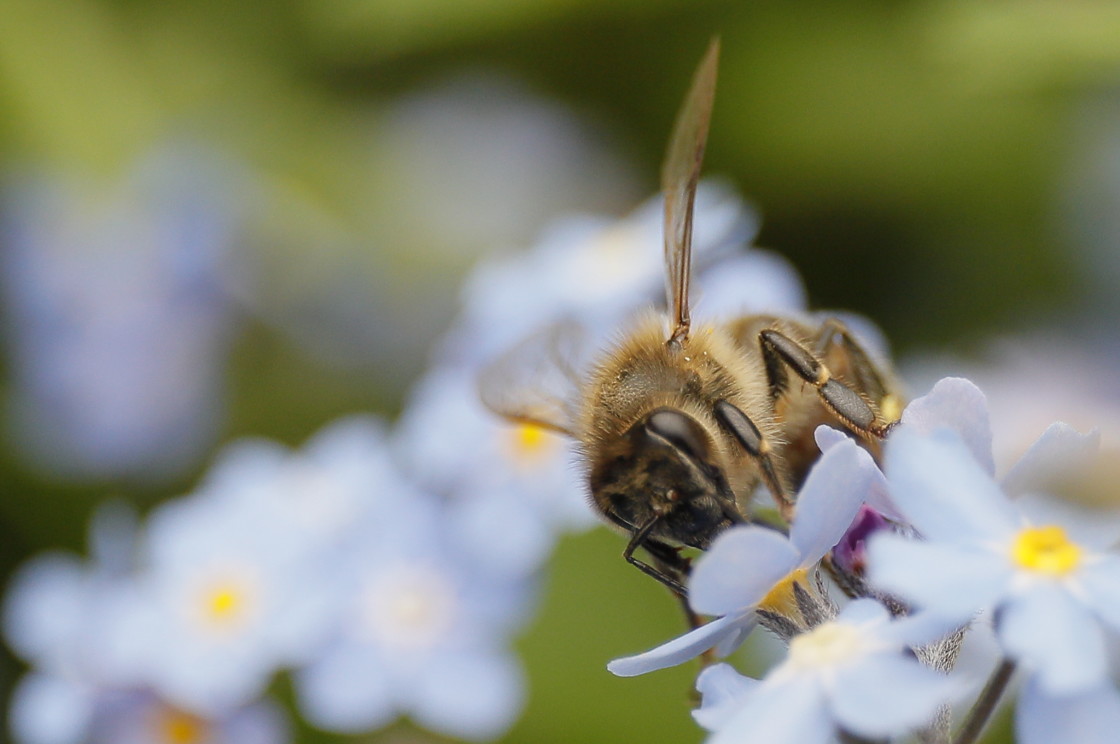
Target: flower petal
(346,690)
(865,612)
(887,695)
(722,690)
(955,403)
(1046,630)
(729,643)
(1092,717)
(685,647)
(828,437)
(919,629)
(1101,583)
(791,711)
(1089,527)
(878,495)
(1060,451)
(50,710)
(742,565)
(952,582)
(750,282)
(472,695)
(937,483)
(830,499)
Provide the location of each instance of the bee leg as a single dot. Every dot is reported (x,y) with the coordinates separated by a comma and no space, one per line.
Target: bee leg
(640,537)
(670,561)
(740,426)
(844,403)
(837,346)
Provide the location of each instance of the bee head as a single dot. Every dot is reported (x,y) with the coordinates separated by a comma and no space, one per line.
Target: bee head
(665,467)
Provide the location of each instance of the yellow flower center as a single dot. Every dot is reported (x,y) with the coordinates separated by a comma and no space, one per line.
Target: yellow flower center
(177,727)
(781,599)
(826,645)
(530,443)
(1046,550)
(225,603)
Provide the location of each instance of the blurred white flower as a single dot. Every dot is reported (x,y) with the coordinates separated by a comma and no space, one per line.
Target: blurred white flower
(424,634)
(512,488)
(52,710)
(318,492)
(72,621)
(1032,381)
(117,326)
(850,674)
(228,594)
(1090,717)
(598,271)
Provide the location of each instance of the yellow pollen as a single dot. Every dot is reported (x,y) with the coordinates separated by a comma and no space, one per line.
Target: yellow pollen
(530,442)
(178,727)
(224,604)
(890,407)
(1046,550)
(780,599)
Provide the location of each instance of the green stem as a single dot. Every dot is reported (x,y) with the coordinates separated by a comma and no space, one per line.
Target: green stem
(985,705)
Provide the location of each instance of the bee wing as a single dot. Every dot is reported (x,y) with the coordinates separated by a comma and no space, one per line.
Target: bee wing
(679,177)
(538,380)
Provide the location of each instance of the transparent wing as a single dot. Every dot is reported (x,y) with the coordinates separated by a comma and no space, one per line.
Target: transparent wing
(538,380)
(679,177)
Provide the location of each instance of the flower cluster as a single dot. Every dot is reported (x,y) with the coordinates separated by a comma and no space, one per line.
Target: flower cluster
(330,561)
(384,568)
(930,549)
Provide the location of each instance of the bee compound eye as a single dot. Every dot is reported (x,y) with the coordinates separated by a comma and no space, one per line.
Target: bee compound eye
(680,431)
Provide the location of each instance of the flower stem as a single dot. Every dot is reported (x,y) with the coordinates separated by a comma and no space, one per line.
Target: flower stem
(985,705)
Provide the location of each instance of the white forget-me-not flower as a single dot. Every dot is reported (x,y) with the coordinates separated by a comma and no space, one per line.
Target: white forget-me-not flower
(423,633)
(72,620)
(849,674)
(751,567)
(1051,586)
(590,269)
(513,489)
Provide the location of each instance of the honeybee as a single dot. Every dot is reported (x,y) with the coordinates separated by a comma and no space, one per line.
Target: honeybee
(679,426)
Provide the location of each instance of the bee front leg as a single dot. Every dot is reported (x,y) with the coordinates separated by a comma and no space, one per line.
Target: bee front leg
(781,353)
(747,434)
(660,551)
(670,561)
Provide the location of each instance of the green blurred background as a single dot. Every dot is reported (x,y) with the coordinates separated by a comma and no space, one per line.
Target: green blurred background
(936,165)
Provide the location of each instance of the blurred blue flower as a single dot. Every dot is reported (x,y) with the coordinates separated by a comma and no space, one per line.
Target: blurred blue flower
(118,327)
(52,710)
(229,592)
(512,488)
(1050,586)
(1088,717)
(595,271)
(319,492)
(73,622)
(850,674)
(423,634)
(751,567)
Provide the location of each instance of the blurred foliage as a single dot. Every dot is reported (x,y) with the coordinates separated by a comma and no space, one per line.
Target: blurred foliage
(906,155)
